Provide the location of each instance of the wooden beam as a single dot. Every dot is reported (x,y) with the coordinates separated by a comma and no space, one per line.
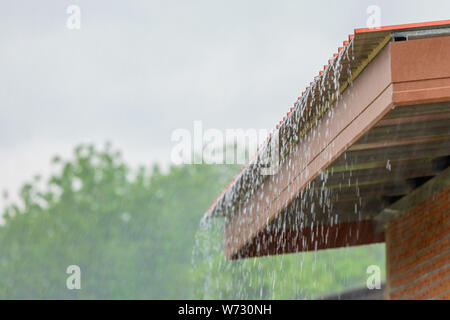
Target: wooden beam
(274,242)
(419,195)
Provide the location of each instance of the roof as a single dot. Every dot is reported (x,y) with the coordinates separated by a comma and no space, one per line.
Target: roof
(356,53)
(372,126)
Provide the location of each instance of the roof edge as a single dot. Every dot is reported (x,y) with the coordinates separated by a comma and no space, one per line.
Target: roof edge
(438,23)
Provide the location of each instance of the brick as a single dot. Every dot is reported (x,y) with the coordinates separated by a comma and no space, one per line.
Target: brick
(419,251)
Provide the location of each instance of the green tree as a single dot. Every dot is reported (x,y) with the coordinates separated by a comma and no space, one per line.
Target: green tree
(133,232)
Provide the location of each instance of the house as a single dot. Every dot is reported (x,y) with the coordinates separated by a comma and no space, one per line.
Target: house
(364,158)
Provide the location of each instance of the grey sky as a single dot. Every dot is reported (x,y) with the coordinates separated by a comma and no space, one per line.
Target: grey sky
(137,70)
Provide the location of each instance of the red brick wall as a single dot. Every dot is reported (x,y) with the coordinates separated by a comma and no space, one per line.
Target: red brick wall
(418,251)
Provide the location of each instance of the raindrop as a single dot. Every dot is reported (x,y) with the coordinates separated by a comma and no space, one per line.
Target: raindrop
(388,165)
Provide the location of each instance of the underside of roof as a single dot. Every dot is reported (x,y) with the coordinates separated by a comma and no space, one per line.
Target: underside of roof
(371,128)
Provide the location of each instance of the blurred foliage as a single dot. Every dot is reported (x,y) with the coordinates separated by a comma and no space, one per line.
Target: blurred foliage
(135,235)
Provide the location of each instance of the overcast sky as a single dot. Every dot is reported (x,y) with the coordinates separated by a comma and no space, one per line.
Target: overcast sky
(137,70)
